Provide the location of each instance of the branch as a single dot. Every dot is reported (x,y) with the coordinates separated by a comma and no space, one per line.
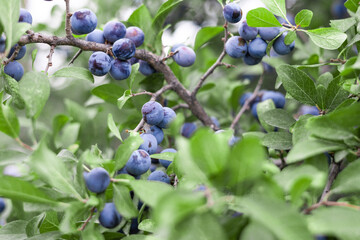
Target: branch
(247,102)
(87,220)
(24,145)
(181,105)
(67,20)
(154,60)
(334,171)
(13,56)
(329,203)
(213,67)
(75,57)
(52,49)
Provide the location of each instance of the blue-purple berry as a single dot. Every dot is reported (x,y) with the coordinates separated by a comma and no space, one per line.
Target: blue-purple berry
(2,205)
(188,129)
(97,180)
(169,116)
(185,56)
(114,31)
(312,110)
(268,33)
(25,16)
(136,35)
(246,32)
(109,216)
(254,110)
(159,176)
(250,60)
(133,60)
(145,68)
(124,49)
(83,21)
(236,47)
(99,63)
(257,48)
(120,70)
(166,163)
(157,132)
(96,36)
(153,112)
(2,44)
(173,48)
(150,143)
(232,12)
(20,54)
(138,163)
(277,97)
(15,70)
(280,47)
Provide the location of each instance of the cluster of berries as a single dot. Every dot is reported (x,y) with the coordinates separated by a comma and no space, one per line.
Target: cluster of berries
(248,45)
(15,69)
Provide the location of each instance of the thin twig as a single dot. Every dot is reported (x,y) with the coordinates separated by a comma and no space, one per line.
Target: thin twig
(142,93)
(161,91)
(181,105)
(247,102)
(140,125)
(52,49)
(24,145)
(67,21)
(13,56)
(87,220)
(75,57)
(214,66)
(334,171)
(329,203)
(169,56)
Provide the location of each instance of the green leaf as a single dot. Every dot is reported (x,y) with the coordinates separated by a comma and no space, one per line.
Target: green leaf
(335,94)
(343,24)
(17,189)
(279,118)
(321,93)
(75,72)
(337,125)
(9,16)
(9,123)
(12,88)
(298,84)
(254,231)
(141,17)
(50,222)
(169,156)
(280,218)
(344,182)
(146,189)
(290,37)
(262,108)
(299,131)
(33,57)
(32,228)
(123,99)
(261,17)
(147,225)
(278,140)
(352,5)
(112,126)
(277,7)
(134,70)
(163,12)
(125,150)
(52,170)
(123,201)
(327,38)
(303,18)
(247,153)
(35,90)
(14,230)
(207,87)
(109,92)
(311,147)
(343,226)
(205,34)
